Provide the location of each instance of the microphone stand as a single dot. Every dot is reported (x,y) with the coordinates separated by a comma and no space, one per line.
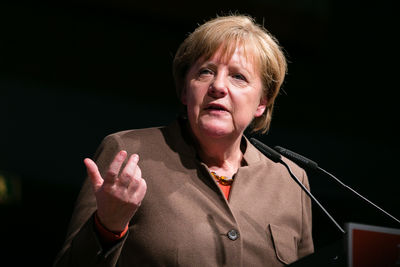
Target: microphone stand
(359,195)
(331,256)
(276,157)
(313,165)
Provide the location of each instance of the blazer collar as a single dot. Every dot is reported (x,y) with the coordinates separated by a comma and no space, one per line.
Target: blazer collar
(182,142)
(251,154)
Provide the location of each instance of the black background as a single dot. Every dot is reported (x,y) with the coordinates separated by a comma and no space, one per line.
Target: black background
(72,72)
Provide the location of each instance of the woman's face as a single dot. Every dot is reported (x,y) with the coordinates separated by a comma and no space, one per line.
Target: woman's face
(223,95)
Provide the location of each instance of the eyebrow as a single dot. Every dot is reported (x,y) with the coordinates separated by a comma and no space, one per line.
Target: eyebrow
(237,66)
(230,66)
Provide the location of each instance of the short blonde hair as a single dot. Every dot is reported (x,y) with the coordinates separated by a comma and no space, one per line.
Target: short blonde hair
(227,33)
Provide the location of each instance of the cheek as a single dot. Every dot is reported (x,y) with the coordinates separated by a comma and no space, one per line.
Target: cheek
(190,99)
(192,103)
(251,106)
(187,94)
(195,95)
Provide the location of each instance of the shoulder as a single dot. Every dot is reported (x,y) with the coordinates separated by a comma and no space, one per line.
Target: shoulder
(134,141)
(145,141)
(127,135)
(298,171)
(133,135)
(254,156)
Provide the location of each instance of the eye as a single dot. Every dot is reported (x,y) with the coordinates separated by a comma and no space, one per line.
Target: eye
(239,76)
(205,71)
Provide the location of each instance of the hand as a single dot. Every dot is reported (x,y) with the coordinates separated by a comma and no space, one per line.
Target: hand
(118,196)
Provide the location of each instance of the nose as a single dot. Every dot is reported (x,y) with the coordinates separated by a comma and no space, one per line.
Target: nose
(219,87)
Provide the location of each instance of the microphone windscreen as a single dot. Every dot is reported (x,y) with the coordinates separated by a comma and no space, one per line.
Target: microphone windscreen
(296,157)
(266,150)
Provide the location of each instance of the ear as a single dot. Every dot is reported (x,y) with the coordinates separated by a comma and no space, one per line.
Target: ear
(261,107)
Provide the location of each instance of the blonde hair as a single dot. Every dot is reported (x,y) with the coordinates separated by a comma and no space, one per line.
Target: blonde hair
(227,33)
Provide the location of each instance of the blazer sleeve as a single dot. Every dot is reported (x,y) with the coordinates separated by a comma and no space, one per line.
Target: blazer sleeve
(306,245)
(82,246)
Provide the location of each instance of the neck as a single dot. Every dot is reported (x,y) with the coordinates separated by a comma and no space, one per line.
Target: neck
(223,156)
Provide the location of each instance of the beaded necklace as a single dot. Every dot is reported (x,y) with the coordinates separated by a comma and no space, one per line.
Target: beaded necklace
(222,179)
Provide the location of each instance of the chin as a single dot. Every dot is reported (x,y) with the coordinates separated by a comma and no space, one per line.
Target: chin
(216,130)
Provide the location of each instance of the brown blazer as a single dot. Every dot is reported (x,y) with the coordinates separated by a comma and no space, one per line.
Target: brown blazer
(185,220)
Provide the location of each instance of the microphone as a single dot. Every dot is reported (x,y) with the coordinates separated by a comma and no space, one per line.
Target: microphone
(266,150)
(313,165)
(277,158)
(297,158)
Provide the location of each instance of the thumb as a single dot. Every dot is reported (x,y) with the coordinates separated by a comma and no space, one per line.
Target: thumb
(93,173)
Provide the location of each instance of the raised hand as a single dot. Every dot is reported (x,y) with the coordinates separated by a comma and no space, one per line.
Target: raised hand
(118,194)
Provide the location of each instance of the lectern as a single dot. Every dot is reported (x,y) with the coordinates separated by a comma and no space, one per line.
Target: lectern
(362,246)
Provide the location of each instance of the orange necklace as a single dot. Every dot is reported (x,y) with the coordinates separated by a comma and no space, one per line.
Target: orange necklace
(222,179)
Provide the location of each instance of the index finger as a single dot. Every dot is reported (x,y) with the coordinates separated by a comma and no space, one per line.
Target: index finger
(115,166)
(129,171)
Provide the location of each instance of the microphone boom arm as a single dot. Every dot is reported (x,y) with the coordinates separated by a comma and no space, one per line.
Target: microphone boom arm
(359,195)
(313,165)
(312,197)
(277,158)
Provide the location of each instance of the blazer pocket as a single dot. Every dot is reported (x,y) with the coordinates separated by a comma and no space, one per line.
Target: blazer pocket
(284,244)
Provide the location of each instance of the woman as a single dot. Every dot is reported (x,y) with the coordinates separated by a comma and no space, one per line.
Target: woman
(207,196)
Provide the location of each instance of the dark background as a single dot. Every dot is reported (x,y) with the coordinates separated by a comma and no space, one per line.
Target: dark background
(72,72)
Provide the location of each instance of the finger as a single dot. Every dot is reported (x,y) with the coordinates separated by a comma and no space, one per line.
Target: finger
(138,173)
(115,166)
(93,173)
(128,173)
(140,192)
(137,177)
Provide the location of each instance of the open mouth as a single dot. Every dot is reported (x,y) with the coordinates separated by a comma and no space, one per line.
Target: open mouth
(216,107)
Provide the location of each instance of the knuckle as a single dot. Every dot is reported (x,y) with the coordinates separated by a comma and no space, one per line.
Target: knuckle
(124,177)
(111,173)
(108,190)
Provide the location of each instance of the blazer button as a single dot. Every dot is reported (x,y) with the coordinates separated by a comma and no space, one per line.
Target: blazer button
(233,234)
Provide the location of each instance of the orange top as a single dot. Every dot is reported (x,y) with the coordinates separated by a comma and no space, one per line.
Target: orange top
(107,237)
(226,189)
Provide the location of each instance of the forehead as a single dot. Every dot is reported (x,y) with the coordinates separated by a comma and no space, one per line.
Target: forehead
(241,55)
